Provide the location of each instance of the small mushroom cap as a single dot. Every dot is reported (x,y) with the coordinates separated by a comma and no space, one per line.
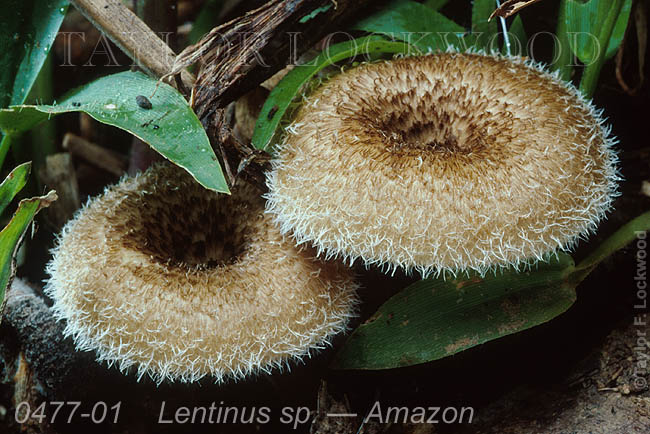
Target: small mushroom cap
(443,162)
(180,282)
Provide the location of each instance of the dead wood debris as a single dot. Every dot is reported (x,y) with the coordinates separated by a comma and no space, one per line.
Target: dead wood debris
(100,157)
(132,35)
(511,7)
(240,54)
(59,174)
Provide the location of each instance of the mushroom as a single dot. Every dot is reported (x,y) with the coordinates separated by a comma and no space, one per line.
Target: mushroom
(180,282)
(442,163)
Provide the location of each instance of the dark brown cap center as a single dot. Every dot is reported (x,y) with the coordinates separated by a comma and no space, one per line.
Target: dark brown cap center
(186,225)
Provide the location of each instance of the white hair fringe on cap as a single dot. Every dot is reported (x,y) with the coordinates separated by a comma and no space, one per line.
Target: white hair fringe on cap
(178,282)
(444,163)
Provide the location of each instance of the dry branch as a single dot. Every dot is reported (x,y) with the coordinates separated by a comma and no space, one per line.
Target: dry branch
(242,53)
(103,158)
(511,7)
(132,35)
(59,174)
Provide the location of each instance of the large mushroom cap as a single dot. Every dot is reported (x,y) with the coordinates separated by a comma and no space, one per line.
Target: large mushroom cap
(449,161)
(180,282)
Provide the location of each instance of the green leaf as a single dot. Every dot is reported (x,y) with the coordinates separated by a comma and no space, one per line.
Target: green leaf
(609,12)
(5,144)
(435,4)
(517,35)
(562,57)
(28,29)
(170,126)
(619,29)
(13,183)
(43,141)
(434,318)
(13,233)
(315,12)
(281,96)
(592,29)
(417,25)
(16,120)
(583,21)
(626,234)
(485,30)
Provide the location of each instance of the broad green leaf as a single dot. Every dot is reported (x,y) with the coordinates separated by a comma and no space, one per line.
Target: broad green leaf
(608,13)
(434,318)
(5,144)
(619,29)
(13,183)
(281,96)
(28,29)
(583,23)
(416,24)
(592,27)
(170,126)
(13,233)
(18,119)
(485,30)
(517,35)
(562,53)
(626,234)
(43,141)
(435,4)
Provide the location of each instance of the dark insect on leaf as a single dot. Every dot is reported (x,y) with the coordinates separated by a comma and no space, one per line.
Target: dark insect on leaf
(112,100)
(143,102)
(272,112)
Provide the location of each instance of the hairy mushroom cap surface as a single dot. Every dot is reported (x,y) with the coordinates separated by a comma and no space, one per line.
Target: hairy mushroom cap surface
(443,162)
(180,282)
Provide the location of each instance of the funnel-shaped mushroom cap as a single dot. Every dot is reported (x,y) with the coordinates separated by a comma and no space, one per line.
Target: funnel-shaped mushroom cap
(181,282)
(450,161)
